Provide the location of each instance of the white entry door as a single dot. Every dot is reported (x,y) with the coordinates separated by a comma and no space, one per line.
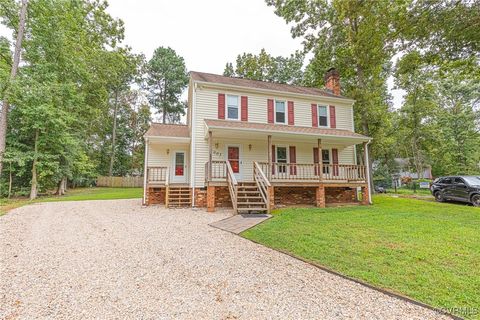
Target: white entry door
(179,167)
(233,156)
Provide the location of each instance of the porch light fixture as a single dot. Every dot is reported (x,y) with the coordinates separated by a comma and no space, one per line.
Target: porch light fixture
(216,145)
(168,151)
(249,147)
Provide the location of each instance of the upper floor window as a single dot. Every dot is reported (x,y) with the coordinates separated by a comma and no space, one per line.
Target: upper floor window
(232,108)
(280,111)
(322,116)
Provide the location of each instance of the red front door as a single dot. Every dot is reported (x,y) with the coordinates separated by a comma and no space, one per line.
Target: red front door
(234,158)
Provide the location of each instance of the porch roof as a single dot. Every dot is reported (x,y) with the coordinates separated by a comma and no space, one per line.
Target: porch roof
(286,130)
(167,130)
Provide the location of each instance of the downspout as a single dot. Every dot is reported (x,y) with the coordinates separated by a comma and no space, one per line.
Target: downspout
(192,145)
(367,158)
(145,172)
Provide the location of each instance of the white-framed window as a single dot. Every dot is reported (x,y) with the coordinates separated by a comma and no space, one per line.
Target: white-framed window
(326,160)
(322,116)
(233,110)
(280,112)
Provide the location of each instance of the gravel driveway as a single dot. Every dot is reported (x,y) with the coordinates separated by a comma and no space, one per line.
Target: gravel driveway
(113,259)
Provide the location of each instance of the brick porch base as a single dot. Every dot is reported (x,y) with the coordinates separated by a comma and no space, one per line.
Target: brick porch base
(155,196)
(219,196)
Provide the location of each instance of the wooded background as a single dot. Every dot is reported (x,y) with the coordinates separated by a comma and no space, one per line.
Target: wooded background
(76,101)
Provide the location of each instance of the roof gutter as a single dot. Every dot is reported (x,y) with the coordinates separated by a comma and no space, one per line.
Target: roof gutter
(284,93)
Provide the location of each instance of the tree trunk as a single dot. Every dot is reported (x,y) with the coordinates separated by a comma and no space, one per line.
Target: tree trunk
(33,190)
(61,187)
(114,134)
(10,181)
(364,120)
(164,111)
(13,74)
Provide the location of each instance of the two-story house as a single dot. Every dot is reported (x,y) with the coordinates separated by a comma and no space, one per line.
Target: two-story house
(253,145)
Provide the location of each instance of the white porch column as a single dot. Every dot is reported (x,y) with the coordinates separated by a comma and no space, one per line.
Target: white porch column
(145,173)
(210,156)
(269,152)
(320,160)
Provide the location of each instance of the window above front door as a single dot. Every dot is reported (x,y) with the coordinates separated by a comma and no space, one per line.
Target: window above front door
(233,112)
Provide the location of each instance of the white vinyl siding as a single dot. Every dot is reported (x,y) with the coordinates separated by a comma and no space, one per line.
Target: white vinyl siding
(157,153)
(206,108)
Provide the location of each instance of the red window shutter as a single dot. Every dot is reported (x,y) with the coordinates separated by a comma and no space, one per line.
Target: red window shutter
(333,118)
(270,110)
(291,113)
(221,106)
(335,161)
(273,159)
(293,160)
(314,115)
(316,160)
(244,111)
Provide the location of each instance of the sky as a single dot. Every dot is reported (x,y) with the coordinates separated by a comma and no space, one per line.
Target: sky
(207,33)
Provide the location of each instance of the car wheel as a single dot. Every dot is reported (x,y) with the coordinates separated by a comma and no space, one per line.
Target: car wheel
(439,197)
(476,200)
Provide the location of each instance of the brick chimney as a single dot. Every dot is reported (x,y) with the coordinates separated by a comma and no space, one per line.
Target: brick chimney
(332,81)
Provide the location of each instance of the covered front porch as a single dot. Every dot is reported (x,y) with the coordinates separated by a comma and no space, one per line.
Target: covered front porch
(287,167)
(167,165)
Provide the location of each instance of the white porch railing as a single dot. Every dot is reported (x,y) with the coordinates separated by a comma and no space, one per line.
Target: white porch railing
(311,171)
(262,183)
(157,174)
(232,187)
(217,171)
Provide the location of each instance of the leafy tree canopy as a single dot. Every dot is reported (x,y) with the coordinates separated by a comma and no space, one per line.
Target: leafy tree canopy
(166,78)
(266,67)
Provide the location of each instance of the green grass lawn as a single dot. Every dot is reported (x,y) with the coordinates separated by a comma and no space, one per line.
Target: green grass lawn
(76,195)
(405,191)
(428,251)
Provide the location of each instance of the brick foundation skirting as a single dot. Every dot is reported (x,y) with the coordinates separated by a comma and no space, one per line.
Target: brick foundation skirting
(200,197)
(282,196)
(222,197)
(308,195)
(340,195)
(155,196)
(294,195)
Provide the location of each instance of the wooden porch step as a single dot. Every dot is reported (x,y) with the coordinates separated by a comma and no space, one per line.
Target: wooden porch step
(250,203)
(252,209)
(179,197)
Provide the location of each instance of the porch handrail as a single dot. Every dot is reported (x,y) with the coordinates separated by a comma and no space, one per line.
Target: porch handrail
(157,174)
(262,183)
(344,172)
(311,171)
(232,186)
(218,170)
